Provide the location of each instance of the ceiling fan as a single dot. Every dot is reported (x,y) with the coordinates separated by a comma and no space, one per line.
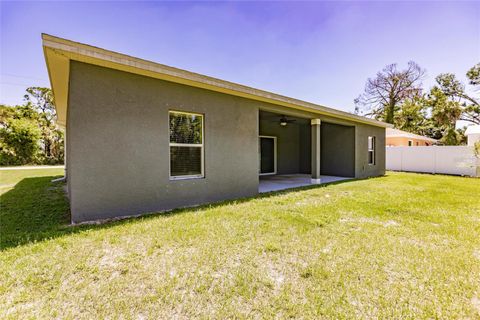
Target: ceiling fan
(284,121)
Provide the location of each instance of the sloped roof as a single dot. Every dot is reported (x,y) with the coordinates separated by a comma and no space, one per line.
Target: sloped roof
(59,52)
(391,133)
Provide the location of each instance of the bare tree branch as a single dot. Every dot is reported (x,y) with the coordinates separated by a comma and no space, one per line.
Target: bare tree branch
(384,93)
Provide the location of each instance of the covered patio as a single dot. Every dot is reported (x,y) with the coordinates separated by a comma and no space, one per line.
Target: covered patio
(299,151)
(286,181)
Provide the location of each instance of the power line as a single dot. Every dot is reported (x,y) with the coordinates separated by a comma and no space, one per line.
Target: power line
(16,84)
(24,77)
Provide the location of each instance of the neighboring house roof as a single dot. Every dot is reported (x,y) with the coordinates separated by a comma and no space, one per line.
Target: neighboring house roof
(395,133)
(475,129)
(58,53)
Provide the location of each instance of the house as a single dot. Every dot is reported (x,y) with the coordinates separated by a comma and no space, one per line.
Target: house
(473,134)
(399,138)
(143,137)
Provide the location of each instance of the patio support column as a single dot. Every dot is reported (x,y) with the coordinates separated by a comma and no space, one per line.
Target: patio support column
(316,150)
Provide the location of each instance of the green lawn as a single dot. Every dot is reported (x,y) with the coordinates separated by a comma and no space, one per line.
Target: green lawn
(399,246)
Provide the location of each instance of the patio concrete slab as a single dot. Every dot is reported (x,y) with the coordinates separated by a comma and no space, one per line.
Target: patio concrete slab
(287,181)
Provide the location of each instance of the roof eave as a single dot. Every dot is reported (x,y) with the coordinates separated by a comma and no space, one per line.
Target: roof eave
(58,53)
(411,137)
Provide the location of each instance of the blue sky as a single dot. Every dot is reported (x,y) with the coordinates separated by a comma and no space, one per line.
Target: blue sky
(321,52)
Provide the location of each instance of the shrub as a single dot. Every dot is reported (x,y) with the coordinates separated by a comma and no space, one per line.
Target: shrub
(19,142)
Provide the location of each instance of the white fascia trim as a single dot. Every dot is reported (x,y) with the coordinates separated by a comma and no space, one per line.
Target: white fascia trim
(94,55)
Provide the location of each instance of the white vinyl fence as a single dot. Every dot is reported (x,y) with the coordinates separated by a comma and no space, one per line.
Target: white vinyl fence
(457,160)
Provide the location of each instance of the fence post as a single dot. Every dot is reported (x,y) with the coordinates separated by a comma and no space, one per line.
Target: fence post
(401,159)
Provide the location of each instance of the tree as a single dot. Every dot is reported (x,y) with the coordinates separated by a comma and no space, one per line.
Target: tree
(412,116)
(476,149)
(384,94)
(40,100)
(396,97)
(28,133)
(455,90)
(449,102)
(473,75)
(445,112)
(18,141)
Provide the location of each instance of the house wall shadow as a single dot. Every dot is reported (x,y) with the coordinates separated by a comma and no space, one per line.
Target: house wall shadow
(31,211)
(37,209)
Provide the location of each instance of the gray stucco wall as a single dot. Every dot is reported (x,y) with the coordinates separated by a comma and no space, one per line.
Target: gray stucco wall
(305,149)
(362,168)
(337,150)
(293,145)
(118,144)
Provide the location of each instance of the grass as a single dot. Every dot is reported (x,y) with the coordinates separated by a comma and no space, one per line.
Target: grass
(32,208)
(399,246)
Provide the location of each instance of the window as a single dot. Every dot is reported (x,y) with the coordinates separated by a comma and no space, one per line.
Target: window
(371,150)
(186,145)
(410,143)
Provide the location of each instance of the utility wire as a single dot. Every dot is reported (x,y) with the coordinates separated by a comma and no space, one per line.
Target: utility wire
(18,76)
(16,84)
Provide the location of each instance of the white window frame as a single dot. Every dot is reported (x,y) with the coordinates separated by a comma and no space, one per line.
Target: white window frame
(372,150)
(174,144)
(274,156)
(410,143)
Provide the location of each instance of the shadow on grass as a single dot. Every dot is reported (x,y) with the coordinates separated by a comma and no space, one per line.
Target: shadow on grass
(36,209)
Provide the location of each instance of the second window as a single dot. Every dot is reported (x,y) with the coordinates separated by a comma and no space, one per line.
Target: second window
(371,150)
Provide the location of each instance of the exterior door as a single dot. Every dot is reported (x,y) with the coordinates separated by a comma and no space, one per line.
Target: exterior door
(268,155)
